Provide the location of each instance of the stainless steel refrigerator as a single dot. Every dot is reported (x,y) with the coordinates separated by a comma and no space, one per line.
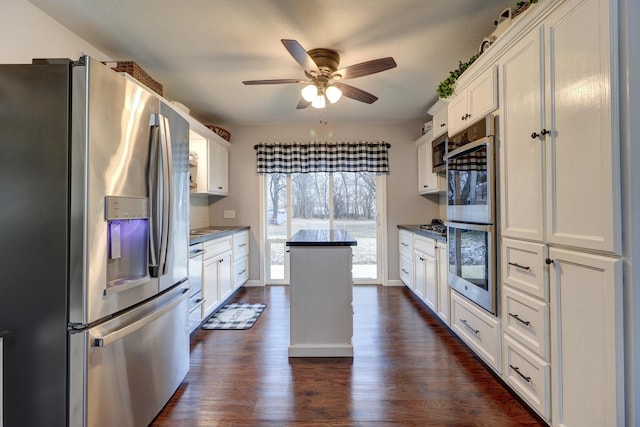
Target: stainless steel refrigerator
(93,246)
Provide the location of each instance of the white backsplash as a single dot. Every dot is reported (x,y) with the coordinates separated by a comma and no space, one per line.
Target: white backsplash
(198,211)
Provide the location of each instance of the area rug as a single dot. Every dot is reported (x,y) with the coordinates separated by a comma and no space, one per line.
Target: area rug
(235,316)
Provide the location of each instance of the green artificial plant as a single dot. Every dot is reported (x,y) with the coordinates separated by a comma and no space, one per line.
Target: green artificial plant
(448,85)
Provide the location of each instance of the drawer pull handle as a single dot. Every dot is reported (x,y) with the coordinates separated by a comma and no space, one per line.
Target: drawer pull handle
(464,322)
(404,244)
(524,267)
(405,271)
(242,244)
(524,322)
(242,272)
(515,368)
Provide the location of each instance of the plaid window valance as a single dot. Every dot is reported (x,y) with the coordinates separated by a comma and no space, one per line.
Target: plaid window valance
(323,157)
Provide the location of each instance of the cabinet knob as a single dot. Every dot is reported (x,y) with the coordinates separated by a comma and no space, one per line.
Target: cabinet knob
(442,125)
(463,118)
(548,261)
(543,132)
(467,116)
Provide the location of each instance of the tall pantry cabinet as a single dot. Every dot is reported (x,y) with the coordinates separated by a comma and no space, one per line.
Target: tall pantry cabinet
(560,210)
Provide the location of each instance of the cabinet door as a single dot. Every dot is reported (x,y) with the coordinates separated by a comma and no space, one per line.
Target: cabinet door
(428,182)
(218,168)
(583,171)
(474,102)
(522,157)
(430,283)
(586,339)
(482,96)
(456,114)
(210,285)
(225,280)
(423,173)
(440,120)
(444,292)
(419,264)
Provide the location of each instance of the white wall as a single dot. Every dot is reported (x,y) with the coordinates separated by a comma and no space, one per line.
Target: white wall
(27,32)
(404,205)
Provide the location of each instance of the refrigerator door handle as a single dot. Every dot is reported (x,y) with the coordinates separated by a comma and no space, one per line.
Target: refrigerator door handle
(117,335)
(152,190)
(159,185)
(166,191)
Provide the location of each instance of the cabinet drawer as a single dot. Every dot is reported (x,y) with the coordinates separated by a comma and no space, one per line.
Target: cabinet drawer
(406,271)
(425,245)
(240,244)
(527,320)
(523,267)
(217,246)
(406,243)
(240,272)
(478,329)
(528,375)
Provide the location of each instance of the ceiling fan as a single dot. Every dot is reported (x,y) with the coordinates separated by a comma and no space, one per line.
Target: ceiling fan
(324,79)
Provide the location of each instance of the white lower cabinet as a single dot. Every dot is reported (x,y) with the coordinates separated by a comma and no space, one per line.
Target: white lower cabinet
(240,258)
(528,375)
(426,285)
(477,328)
(406,257)
(444,291)
(526,319)
(423,269)
(586,339)
(216,273)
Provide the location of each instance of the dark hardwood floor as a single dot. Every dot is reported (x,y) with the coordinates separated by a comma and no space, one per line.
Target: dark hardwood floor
(408,370)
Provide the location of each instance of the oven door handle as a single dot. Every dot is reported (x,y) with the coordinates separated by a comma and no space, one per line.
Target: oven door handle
(466,226)
(487,140)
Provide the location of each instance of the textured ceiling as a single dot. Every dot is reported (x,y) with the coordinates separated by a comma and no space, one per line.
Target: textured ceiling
(201,50)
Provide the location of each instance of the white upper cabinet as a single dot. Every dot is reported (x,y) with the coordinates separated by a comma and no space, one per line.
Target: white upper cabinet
(439,112)
(582,160)
(218,182)
(210,165)
(560,170)
(473,102)
(428,181)
(521,156)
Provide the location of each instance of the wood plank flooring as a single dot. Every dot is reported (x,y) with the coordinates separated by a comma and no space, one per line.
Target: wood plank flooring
(408,370)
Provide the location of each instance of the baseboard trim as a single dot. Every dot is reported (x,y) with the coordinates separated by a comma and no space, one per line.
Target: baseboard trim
(394,282)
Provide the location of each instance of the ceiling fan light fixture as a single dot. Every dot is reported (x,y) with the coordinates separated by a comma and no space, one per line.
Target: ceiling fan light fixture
(333,94)
(310,92)
(319,101)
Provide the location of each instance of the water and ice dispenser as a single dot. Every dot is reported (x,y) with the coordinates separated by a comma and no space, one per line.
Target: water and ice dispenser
(128,239)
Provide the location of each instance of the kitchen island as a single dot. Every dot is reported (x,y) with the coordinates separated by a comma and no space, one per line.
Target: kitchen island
(321,293)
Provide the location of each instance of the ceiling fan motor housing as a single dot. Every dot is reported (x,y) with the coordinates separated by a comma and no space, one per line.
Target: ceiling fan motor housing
(327,60)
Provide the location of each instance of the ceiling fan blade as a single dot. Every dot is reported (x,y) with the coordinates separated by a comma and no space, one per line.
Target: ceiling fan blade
(273,81)
(301,56)
(366,68)
(355,93)
(302,104)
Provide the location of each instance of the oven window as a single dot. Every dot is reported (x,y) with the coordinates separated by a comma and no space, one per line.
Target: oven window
(468,255)
(467,178)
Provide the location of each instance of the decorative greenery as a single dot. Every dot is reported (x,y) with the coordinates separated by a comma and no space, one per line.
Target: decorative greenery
(448,85)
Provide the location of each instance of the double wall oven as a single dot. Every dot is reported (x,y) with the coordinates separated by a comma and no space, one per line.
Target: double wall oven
(470,171)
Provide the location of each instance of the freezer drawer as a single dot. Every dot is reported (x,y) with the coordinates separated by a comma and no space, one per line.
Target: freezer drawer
(128,368)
